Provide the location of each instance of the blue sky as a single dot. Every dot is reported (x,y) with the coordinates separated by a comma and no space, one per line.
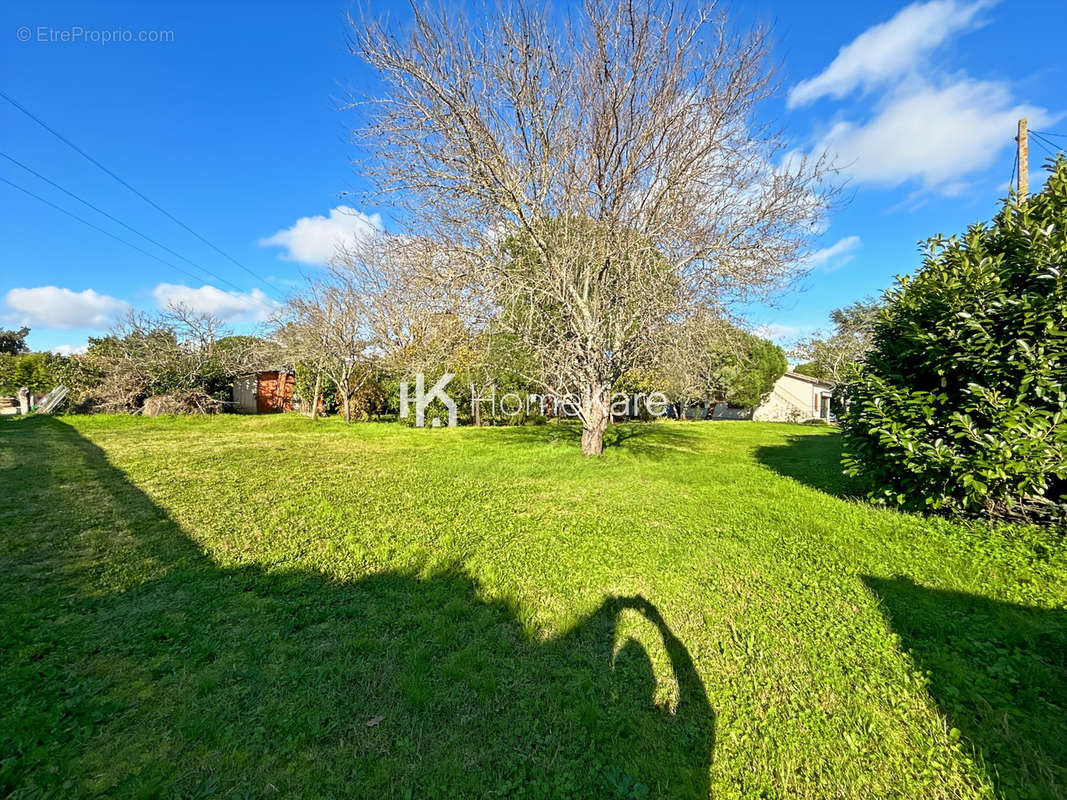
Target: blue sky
(230,122)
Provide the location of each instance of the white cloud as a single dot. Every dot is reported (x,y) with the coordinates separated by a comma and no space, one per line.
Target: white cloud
(70,349)
(52,307)
(934,135)
(926,125)
(885,52)
(315,240)
(252,306)
(835,256)
(780,333)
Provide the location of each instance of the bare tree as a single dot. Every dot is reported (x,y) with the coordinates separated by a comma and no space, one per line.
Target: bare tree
(180,359)
(832,356)
(687,363)
(326,327)
(298,330)
(588,184)
(413,320)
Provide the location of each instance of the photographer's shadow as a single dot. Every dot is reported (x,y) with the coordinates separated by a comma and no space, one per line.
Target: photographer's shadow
(141,667)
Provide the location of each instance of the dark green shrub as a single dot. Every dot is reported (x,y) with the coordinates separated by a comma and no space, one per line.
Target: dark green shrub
(38,372)
(960,406)
(749,372)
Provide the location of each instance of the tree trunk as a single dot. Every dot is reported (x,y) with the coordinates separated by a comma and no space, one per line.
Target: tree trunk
(477,413)
(595,421)
(346,402)
(315,395)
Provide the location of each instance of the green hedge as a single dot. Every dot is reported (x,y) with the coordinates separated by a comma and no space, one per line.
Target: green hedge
(960,406)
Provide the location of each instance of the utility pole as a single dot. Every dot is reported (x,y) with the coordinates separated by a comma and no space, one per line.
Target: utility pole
(1024,160)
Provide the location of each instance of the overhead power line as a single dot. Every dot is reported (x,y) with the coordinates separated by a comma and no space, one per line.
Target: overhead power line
(98,228)
(137,192)
(118,221)
(1051,147)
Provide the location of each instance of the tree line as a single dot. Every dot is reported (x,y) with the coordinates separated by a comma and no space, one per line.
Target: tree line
(576,201)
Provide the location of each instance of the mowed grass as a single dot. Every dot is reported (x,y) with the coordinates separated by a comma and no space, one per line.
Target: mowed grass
(270,607)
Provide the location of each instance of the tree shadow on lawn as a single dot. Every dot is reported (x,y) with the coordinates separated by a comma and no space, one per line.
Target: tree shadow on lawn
(135,666)
(645,439)
(999,673)
(811,459)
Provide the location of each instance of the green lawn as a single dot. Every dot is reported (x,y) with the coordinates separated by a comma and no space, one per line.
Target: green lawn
(270,607)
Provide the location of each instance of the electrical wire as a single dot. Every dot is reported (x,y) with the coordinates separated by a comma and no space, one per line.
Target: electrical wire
(137,192)
(98,228)
(1049,145)
(118,221)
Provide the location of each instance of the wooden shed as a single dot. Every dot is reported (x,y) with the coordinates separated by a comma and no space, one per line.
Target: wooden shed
(269,392)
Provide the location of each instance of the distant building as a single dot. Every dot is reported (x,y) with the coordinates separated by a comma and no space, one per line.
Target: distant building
(796,398)
(269,392)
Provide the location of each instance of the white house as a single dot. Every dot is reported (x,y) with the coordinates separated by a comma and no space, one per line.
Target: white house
(795,398)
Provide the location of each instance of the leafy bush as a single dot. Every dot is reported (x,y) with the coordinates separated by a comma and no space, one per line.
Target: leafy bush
(14,342)
(748,371)
(960,406)
(38,372)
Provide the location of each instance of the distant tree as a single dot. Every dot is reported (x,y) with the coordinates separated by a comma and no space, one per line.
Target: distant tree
(14,342)
(831,356)
(708,360)
(326,327)
(178,353)
(813,369)
(414,322)
(961,403)
(38,372)
(747,369)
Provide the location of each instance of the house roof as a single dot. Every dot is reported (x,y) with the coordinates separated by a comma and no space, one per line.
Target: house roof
(808,379)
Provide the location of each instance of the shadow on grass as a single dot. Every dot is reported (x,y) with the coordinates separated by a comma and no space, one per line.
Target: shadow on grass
(651,440)
(135,666)
(999,673)
(811,459)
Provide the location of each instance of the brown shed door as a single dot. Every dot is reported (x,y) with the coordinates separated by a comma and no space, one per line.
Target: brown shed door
(267,401)
(274,392)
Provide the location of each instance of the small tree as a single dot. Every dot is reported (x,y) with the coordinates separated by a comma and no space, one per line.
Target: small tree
(13,343)
(326,327)
(830,357)
(961,404)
